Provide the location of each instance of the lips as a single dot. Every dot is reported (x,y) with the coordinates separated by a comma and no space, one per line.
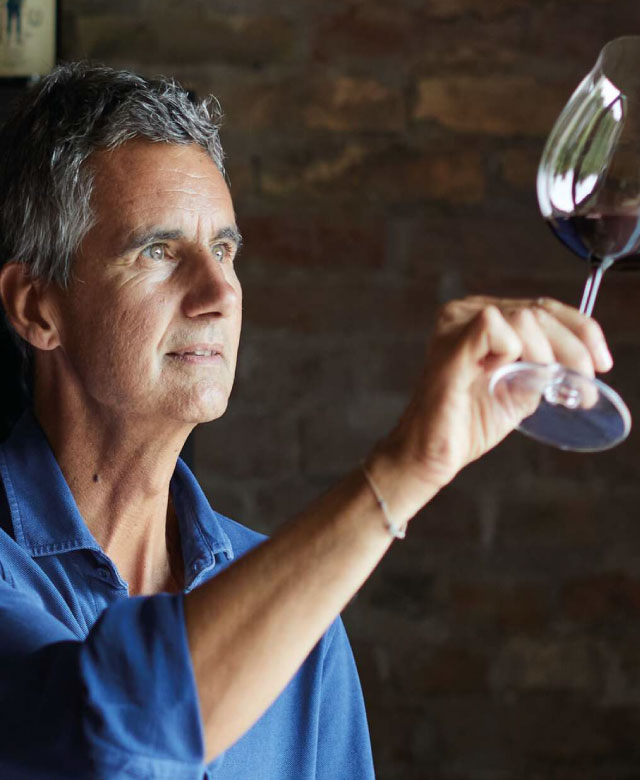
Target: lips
(197,353)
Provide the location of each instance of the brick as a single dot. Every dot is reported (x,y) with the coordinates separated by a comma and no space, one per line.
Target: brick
(469,45)
(307,242)
(505,471)
(276,373)
(567,519)
(407,593)
(240,177)
(421,37)
(335,438)
(598,22)
(452,9)
(616,307)
(363,30)
(406,740)
(252,104)
(355,104)
(619,505)
(202,38)
(565,737)
(495,105)
(603,471)
(603,597)
(102,7)
(548,664)
(253,101)
(391,175)
(307,173)
(520,166)
(472,735)
(573,733)
(451,519)
(241,445)
(501,606)
(553,281)
(280,500)
(448,670)
(509,252)
(329,306)
(397,370)
(623,685)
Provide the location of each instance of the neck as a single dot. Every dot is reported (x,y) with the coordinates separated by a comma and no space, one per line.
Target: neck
(119,470)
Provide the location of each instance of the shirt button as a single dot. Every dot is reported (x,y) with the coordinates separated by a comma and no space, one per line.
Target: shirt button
(103,573)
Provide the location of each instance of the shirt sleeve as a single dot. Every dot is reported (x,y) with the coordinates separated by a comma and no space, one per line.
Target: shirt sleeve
(344,746)
(120,704)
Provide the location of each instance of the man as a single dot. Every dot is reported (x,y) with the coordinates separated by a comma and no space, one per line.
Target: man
(14,15)
(118,243)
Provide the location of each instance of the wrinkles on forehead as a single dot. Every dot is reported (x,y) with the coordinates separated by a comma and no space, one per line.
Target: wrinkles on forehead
(146,192)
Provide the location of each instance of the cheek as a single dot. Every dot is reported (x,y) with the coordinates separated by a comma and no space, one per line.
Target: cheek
(117,346)
(135,334)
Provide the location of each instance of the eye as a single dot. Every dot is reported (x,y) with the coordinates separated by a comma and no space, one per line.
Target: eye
(156,252)
(223,252)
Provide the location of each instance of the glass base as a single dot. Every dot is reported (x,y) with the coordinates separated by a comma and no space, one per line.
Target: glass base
(572,412)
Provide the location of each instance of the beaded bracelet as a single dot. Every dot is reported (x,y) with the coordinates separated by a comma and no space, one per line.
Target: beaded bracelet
(397,531)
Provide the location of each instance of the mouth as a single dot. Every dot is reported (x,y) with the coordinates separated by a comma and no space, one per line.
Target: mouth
(199,354)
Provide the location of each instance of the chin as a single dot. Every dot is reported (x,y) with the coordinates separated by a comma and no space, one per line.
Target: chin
(204,406)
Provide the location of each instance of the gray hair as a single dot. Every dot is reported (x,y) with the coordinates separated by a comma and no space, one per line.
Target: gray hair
(79,108)
(46,181)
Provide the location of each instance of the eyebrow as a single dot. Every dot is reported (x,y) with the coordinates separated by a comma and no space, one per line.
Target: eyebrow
(155,235)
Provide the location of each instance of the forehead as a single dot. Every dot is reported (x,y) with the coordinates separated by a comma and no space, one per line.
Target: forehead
(142,181)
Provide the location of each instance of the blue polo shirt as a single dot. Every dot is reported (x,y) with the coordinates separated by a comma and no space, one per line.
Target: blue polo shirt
(97,684)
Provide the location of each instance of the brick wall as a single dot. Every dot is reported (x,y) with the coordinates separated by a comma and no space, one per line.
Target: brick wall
(382,160)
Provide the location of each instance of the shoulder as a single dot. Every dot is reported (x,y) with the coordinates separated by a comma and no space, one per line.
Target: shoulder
(242,538)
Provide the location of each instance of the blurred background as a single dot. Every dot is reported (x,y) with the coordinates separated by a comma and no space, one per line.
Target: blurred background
(382,160)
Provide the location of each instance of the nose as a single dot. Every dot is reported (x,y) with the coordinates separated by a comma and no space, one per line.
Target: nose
(213,288)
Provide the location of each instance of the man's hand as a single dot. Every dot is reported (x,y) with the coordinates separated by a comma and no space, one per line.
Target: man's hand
(453,418)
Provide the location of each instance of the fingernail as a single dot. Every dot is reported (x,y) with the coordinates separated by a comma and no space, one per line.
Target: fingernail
(605,359)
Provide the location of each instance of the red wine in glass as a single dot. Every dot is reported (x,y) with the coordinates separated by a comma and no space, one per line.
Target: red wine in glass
(589,193)
(595,237)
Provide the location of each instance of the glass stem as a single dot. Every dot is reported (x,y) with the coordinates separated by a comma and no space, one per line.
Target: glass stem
(592,285)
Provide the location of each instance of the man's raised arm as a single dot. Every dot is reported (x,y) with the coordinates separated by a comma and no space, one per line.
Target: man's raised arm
(250,628)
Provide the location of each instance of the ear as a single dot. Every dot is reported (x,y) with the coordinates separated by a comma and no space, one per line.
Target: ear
(27,305)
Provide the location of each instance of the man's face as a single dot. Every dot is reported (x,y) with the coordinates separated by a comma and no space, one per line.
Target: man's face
(151,322)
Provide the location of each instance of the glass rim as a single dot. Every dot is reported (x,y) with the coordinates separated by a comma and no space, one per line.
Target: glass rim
(610,63)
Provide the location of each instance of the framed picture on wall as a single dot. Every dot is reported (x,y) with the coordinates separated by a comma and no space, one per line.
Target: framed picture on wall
(27,37)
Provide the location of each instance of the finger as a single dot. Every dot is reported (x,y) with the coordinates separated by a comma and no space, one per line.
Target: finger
(455,315)
(490,339)
(567,347)
(584,328)
(510,337)
(535,344)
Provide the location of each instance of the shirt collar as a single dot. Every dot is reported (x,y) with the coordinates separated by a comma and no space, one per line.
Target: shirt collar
(201,534)
(46,519)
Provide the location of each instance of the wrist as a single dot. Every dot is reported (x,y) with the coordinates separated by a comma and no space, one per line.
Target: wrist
(396,530)
(404,490)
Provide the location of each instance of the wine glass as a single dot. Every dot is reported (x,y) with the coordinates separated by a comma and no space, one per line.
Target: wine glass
(589,193)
